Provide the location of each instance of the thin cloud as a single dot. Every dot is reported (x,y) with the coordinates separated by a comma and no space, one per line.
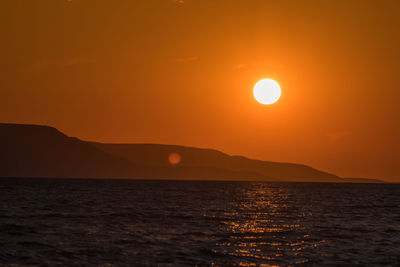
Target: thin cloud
(339,135)
(42,65)
(240,66)
(250,65)
(186,59)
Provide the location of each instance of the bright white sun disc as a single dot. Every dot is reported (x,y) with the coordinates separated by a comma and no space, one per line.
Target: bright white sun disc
(267,91)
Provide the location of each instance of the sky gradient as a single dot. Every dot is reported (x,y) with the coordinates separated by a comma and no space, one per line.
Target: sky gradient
(182,72)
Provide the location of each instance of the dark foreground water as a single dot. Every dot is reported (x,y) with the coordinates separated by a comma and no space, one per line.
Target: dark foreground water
(172,223)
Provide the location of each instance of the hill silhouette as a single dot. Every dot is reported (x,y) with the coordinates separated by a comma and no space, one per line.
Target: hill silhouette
(43,151)
(155,154)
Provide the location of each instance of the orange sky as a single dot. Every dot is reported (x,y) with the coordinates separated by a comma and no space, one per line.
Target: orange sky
(182,72)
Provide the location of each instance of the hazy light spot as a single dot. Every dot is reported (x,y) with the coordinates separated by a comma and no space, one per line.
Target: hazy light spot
(174,158)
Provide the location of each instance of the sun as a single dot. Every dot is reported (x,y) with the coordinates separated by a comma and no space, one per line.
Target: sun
(267,91)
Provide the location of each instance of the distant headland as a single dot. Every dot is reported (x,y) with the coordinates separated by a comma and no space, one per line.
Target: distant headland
(43,151)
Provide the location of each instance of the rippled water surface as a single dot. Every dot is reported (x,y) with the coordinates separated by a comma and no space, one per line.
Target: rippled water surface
(172,223)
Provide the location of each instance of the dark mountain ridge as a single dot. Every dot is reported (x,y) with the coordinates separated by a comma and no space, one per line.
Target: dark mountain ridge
(43,151)
(155,154)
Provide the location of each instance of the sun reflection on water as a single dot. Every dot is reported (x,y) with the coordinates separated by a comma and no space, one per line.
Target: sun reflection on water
(262,227)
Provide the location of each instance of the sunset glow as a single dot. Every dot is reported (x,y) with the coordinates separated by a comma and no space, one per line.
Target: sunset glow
(184,73)
(200,132)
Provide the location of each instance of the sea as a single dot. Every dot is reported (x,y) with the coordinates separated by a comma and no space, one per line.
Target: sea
(94,222)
